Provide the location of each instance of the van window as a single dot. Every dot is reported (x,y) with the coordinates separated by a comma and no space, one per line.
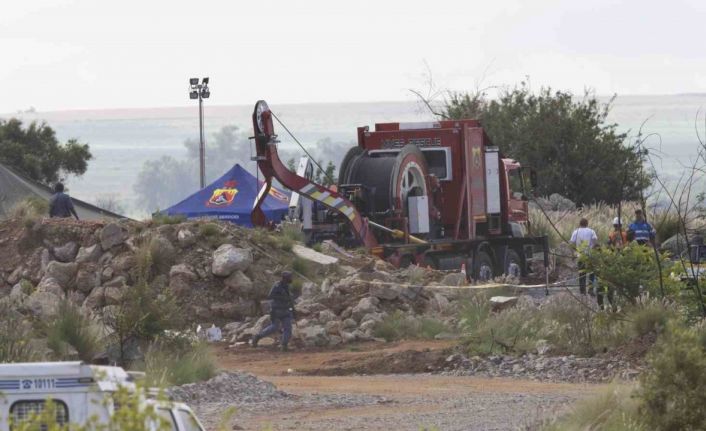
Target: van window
(166,414)
(189,421)
(25,409)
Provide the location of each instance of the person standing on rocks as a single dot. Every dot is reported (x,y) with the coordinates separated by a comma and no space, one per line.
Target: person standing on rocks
(60,204)
(281,313)
(584,239)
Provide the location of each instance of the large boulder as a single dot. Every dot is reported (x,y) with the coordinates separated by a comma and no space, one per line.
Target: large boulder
(388,292)
(63,273)
(186,238)
(365,306)
(499,303)
(439,303)
(239,283)
(314,335)
(88,278)
(49,284)
(181,278)
(43,304)
(163,253)
(96,299)
(123,263)
(113,234)
(307,307)
(118,281)
(326,316)
(333,327)
(89,254)
(228,258)
(17,297)
(113,295)
(67,252)
(313,255)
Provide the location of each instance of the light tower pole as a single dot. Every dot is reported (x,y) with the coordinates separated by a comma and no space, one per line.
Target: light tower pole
(200,91)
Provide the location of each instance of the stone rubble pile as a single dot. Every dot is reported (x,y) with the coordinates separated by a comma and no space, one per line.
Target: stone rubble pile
(348,309)
(218,274)
(228,387)
(544,368)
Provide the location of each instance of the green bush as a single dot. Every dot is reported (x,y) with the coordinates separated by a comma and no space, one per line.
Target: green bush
(209,229)
(72,329)
(652,317)
(567,324)
(285,243)
(398,326)
(15,334)
(169,362)
(301,266)
(292,231)
(430,328)
(262,237)
(626,269)
(143,313)
(672,389)
(29,210)
(317,247)
(159,219)
(613,409)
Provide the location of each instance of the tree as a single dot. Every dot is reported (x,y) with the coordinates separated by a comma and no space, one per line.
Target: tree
(567,141)
(37,153)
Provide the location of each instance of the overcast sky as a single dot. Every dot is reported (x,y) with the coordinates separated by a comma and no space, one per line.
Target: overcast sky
(76,54)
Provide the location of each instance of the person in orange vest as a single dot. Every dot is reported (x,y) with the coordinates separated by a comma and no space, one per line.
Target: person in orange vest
(617,237)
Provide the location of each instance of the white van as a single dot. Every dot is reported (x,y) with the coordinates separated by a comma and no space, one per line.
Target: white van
(78,391)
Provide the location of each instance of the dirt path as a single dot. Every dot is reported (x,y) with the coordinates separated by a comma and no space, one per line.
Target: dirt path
(403,401)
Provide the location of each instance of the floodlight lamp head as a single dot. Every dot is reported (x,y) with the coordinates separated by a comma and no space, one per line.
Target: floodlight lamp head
(205,81)
(194,95)
(193,81)
(205,93)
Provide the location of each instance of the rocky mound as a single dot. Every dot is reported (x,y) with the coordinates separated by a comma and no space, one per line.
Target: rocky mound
(229,388)
(217,272)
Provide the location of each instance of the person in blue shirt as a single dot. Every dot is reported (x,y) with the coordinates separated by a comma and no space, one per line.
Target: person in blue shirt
(60,204)
(640,231)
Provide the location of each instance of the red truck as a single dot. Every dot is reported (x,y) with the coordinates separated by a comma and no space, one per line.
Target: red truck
(434,194)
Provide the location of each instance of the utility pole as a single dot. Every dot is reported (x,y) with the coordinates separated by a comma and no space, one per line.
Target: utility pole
(200,91)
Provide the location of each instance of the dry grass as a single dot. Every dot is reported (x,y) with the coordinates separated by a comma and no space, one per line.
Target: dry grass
(600,218)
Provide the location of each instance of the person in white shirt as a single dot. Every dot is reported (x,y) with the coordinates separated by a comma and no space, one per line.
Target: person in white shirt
(584,239)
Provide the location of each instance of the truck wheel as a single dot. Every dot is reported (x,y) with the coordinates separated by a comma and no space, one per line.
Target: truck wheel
(513,264)
(483,269)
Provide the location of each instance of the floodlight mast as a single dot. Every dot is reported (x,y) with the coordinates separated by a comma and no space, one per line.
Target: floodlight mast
(200,91)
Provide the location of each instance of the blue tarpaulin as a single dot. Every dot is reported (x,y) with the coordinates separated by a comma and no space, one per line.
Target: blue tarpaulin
(231,198)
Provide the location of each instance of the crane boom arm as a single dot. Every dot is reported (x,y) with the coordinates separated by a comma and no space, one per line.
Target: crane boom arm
(272,167)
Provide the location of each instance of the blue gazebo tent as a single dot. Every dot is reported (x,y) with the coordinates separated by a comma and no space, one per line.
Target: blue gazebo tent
(231,198)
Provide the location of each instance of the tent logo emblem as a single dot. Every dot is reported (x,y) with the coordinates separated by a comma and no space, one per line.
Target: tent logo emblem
(222,197)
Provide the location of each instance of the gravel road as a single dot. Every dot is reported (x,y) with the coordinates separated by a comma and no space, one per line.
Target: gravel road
(394,402)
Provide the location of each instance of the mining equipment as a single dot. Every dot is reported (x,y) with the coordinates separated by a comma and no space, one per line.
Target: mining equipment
(434,194)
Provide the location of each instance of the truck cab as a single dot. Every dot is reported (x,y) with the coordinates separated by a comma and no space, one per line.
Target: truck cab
(79,392)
